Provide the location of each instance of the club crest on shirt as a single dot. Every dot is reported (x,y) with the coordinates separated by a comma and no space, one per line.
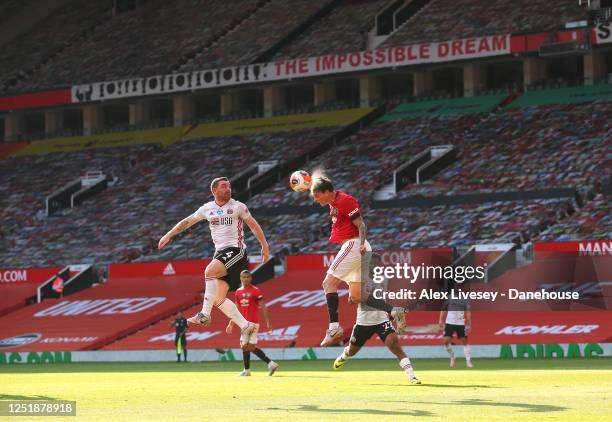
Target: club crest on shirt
(230,211)
(334,214)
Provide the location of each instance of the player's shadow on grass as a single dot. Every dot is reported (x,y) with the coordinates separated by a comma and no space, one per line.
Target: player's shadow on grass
(375,412)
(439,385)
(17,397)
(525,407)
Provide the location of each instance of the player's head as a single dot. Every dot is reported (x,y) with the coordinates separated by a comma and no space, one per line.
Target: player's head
(221,189)
(246,278)
(322,190)
(179,314)
(375,261)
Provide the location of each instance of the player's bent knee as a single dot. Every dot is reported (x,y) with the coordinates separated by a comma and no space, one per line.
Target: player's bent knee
(330,284)
(215,269)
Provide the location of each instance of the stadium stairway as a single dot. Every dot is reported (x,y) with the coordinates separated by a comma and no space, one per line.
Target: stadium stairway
(235,24)
(286,168)
(295,33)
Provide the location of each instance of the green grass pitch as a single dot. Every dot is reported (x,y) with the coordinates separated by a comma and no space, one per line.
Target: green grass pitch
(495,390)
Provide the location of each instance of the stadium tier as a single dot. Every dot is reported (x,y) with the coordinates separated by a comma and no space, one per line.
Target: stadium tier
(543,147)
(116,225)
(270,24)
(158,37)
(344,29)
(593,221)
(149,40)
(439,19)
(47,40)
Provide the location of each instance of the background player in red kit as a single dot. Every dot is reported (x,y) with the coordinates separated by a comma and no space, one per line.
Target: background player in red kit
(349,230)
(249,301)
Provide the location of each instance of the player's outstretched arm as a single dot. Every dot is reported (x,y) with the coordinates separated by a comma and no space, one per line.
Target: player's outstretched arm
(181,226)
(360,224)
(264,308)
(468,321)
(441,319)
(261,237)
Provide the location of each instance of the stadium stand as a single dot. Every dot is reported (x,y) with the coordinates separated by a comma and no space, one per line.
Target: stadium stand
(438,226)
(150,40)
(593,221)
(115,227)
(369,157)
(344,29)
(114,224)
(439,19)
(52,37)
(269,25)
(529,148)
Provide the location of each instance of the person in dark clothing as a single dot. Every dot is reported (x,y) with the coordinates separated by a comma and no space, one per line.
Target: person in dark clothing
(180,340)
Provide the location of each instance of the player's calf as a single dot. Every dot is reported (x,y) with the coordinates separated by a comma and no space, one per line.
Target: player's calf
(392,343)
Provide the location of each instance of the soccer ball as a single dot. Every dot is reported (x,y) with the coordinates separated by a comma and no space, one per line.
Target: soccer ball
(300,181)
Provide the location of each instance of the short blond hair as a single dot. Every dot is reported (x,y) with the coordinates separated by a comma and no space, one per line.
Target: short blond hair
(216,181)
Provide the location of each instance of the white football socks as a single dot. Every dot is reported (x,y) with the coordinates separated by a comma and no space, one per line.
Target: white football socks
(449,349)
(334,325)
(467,352)
(209,295)
(230,309)
(344,354)
(407,367)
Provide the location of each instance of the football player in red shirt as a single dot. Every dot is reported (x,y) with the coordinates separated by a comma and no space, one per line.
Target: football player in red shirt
(249,301)
(349,230)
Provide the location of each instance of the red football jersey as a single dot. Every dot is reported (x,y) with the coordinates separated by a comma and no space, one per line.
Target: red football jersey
(343,211)
(247,300)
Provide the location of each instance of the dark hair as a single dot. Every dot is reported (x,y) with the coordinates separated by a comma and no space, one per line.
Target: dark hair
(216,181)
(321,184)
(376,256)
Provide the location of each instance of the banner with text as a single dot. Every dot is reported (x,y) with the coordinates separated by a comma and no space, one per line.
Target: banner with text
(26,275)
(433,52)
(603,33)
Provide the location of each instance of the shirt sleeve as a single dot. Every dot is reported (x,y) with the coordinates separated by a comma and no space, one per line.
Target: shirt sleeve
(244,211)
(258,294)
(200,213)
(350,208)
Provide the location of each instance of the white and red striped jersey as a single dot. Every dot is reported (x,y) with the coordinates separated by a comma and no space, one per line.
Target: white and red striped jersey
(226,223)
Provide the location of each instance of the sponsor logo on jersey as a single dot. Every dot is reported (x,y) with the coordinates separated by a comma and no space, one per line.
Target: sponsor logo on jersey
(169,270)
(352,213)
(19,340)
